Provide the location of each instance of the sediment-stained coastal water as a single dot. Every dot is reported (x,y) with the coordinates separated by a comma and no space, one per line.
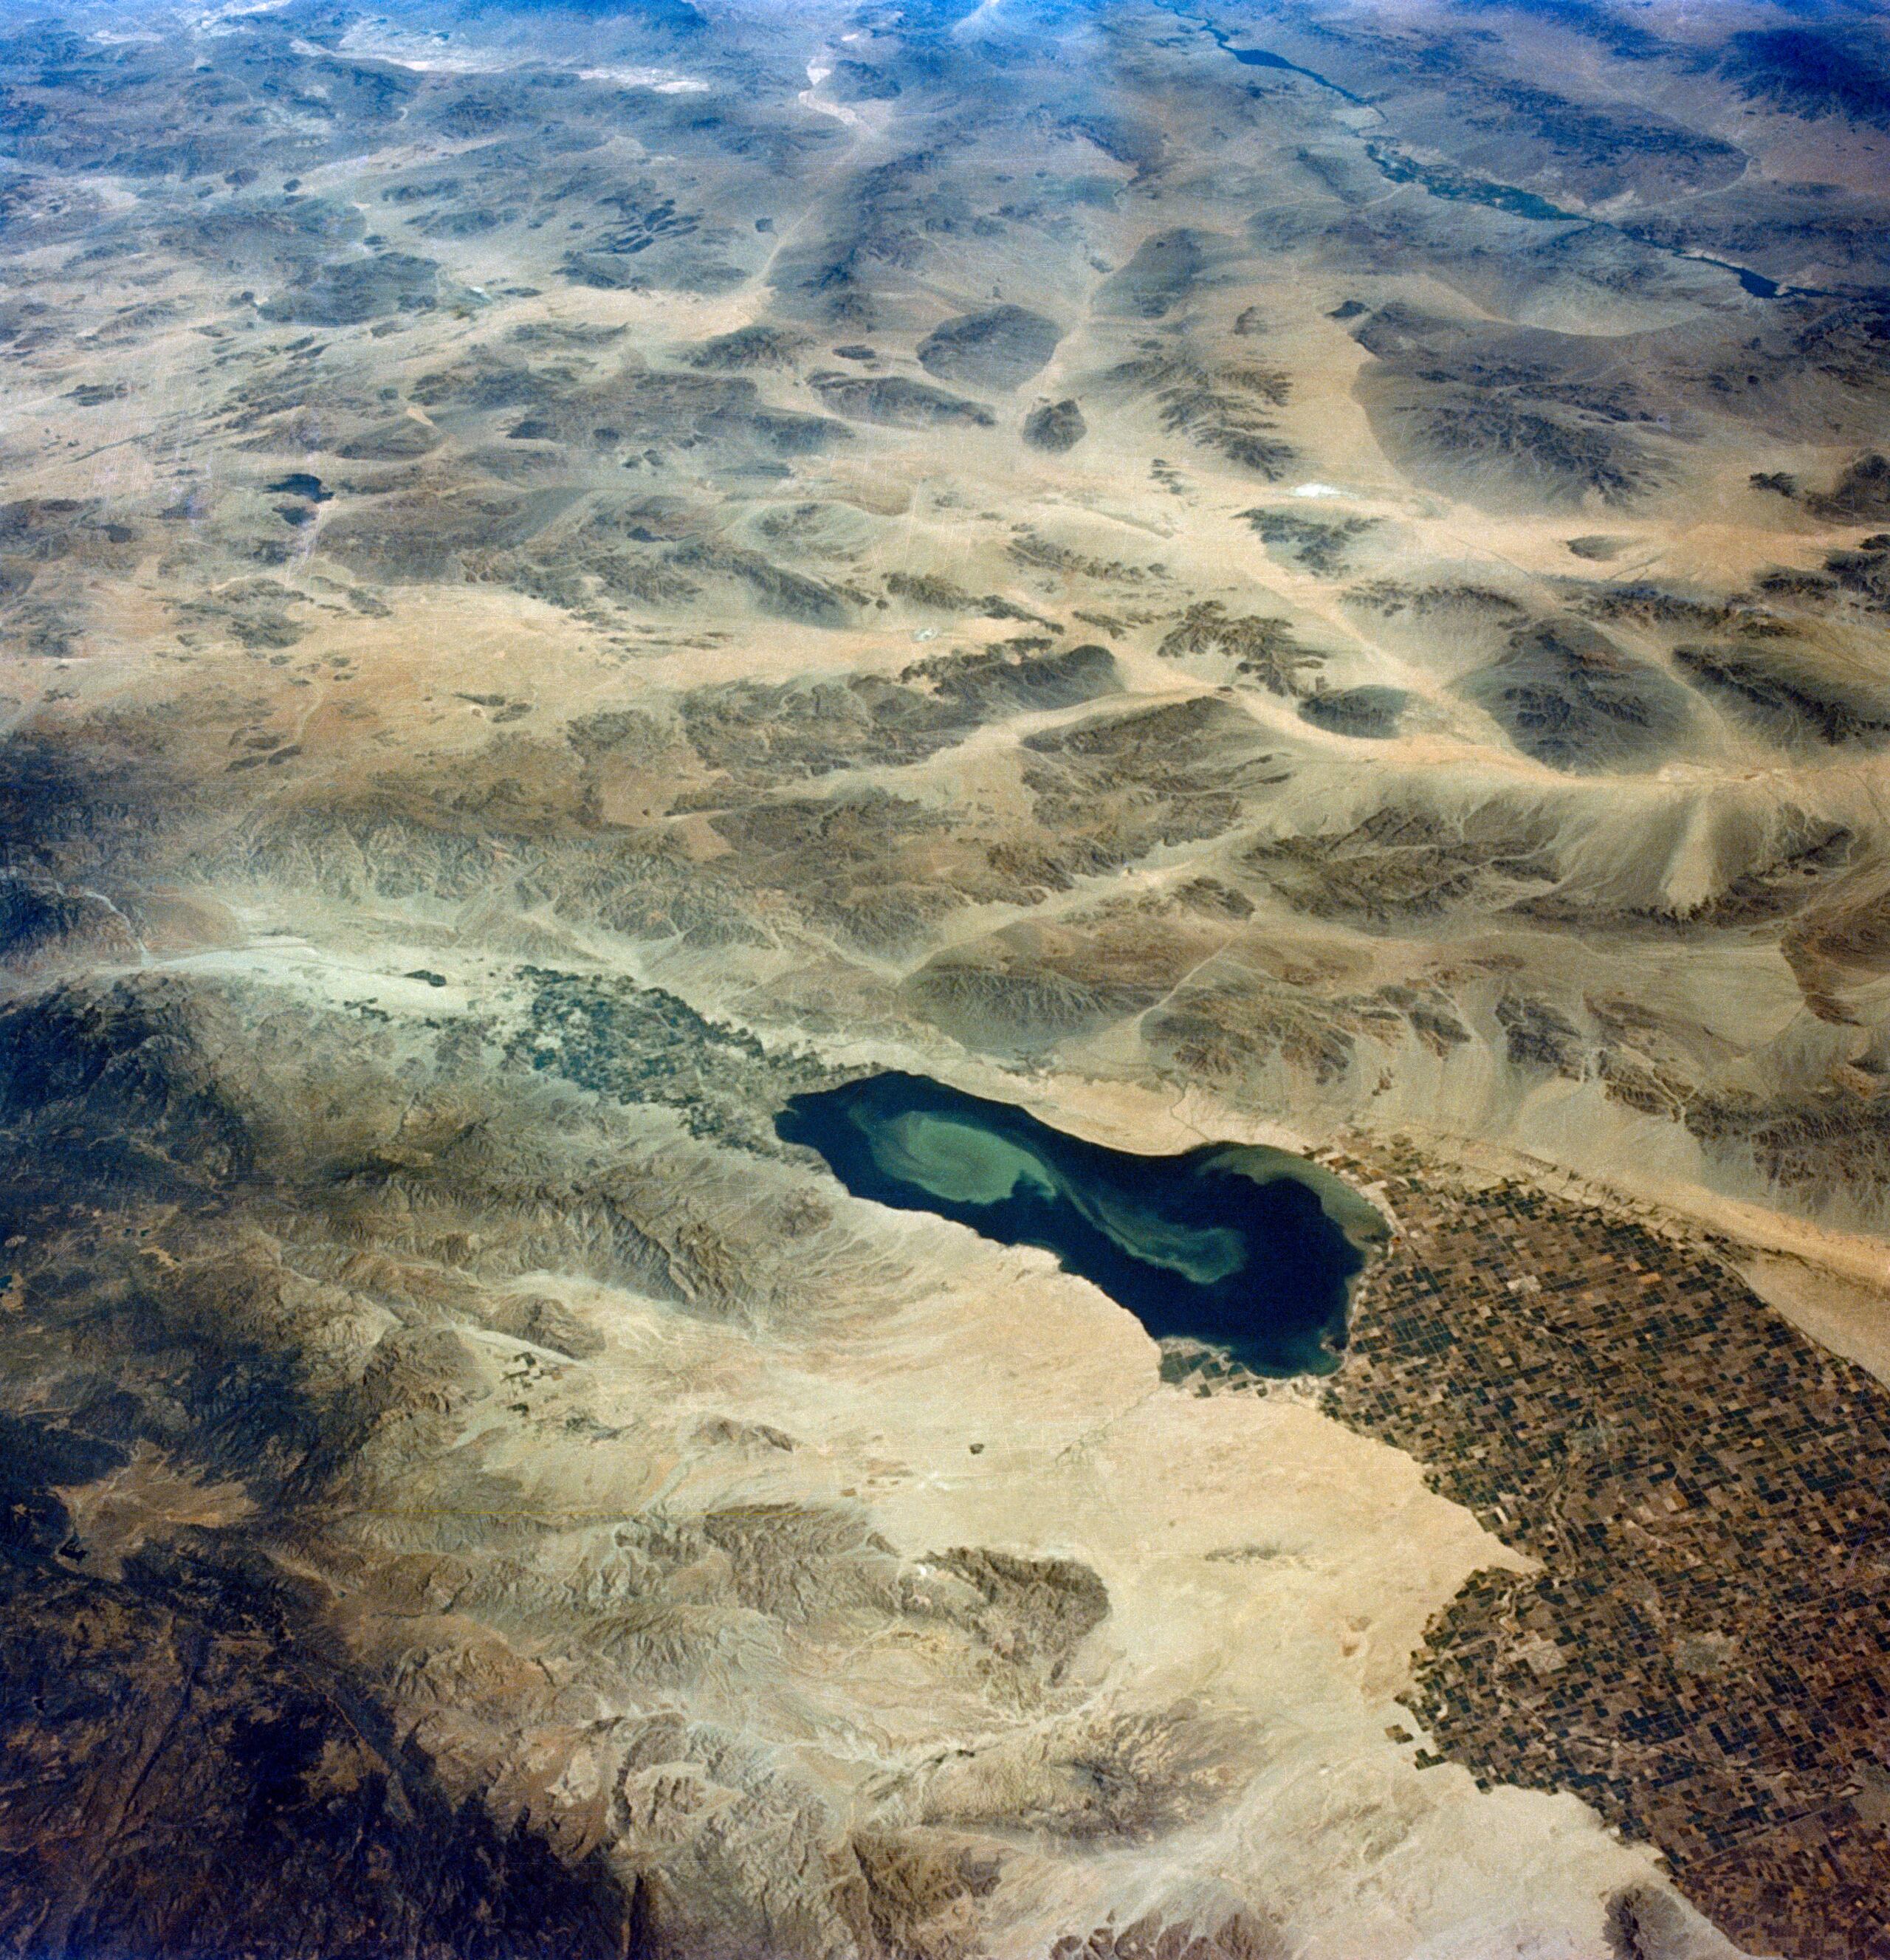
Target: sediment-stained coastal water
(1251,1250)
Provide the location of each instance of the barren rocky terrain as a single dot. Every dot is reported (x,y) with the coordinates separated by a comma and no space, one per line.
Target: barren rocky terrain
(1312,573)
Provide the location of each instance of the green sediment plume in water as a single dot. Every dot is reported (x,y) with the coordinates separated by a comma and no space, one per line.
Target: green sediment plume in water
(1251,1250)
(957,1161)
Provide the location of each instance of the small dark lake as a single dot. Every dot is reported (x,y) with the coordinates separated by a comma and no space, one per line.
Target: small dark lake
(1251,1250)
(1501,197)
(1265,58)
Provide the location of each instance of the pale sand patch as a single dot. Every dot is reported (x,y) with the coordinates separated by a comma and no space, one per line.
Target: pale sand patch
(1848,1313)
(114,1515)
(1269,1572)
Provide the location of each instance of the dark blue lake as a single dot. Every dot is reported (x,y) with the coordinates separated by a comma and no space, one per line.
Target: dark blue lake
(1250,1250)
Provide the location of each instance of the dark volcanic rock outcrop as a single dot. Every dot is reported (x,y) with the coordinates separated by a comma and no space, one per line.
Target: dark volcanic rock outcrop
(1055,427)
(1000,348)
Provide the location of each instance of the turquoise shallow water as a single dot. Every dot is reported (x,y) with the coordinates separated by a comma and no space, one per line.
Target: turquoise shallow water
(1254,1251)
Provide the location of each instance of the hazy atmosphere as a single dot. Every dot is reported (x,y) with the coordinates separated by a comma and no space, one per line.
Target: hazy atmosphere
(945,980)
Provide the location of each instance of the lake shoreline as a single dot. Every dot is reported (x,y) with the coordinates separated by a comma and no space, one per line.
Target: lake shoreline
(1253,1250)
